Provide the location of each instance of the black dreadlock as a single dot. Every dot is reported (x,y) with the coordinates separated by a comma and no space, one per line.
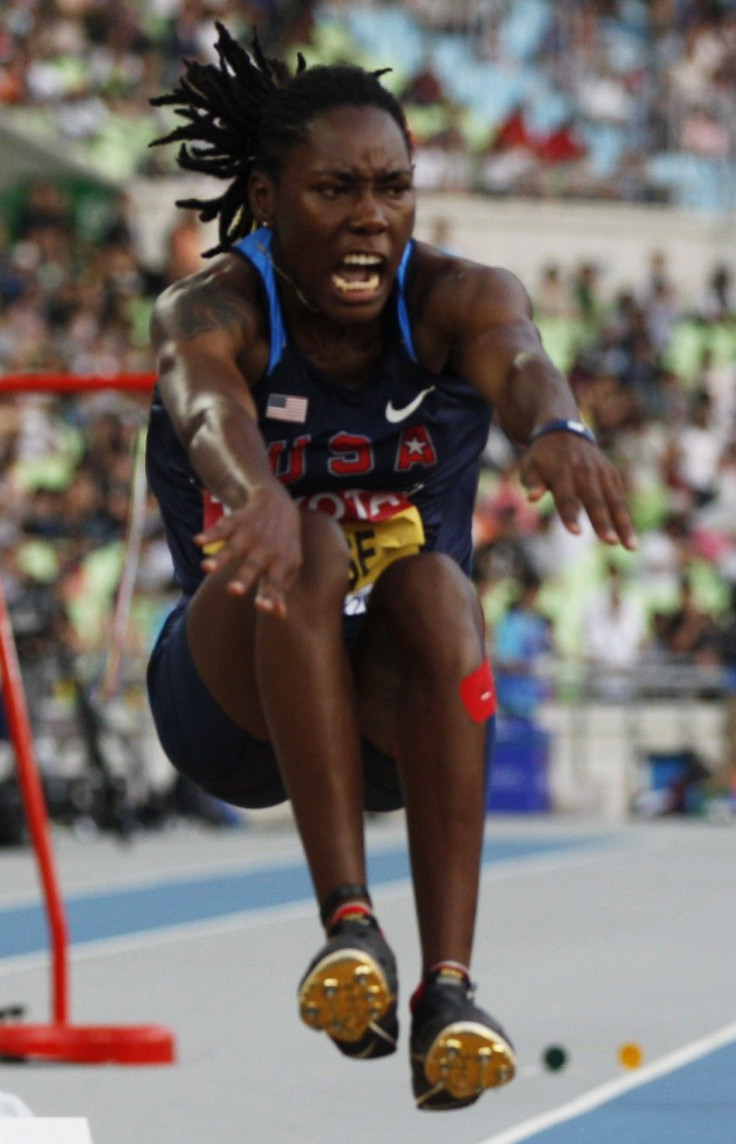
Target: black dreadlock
(248,111)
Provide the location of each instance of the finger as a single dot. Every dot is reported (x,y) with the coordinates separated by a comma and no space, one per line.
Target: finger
(533,484)
(211,563)
(218,532)
(231,545)
(245,576)
(271,599)
(212,541)
(273,587)
(535,493)
(597,508)
(219,554)
(620,515)
(605,504)
(568,504)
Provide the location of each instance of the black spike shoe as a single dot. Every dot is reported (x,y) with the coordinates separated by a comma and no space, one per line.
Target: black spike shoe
(457,1050)
(349,990)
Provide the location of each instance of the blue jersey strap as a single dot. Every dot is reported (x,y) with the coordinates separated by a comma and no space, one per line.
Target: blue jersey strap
(257,249)
(403,311)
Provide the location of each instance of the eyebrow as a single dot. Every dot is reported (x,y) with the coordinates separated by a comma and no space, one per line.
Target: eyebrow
(350,176)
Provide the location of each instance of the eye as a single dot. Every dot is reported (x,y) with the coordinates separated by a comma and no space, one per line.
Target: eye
(397,190)
(330,190)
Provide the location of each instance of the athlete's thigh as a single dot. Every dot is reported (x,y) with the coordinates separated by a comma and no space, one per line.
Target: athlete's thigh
(419,606)
(200,739)
(221,636)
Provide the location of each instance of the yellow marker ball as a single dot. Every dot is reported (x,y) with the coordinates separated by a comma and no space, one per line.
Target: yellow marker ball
(630,1056)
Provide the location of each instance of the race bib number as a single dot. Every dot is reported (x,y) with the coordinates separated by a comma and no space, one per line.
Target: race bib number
(374,546)
(379,528)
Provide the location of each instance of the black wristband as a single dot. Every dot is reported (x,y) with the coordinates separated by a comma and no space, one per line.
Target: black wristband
(563,425)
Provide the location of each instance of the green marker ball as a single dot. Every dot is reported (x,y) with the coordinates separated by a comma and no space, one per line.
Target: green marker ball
(554,1058)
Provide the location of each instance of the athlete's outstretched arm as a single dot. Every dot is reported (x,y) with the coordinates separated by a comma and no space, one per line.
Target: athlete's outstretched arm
(496,345)
(201,330)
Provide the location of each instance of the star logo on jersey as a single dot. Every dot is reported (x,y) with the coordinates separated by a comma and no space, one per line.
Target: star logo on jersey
(414,446)
(395,415)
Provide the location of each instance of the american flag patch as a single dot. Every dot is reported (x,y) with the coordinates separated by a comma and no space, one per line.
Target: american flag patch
(283,407)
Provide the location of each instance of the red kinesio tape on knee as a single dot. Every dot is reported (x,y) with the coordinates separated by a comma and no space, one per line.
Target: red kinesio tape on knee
(478,692)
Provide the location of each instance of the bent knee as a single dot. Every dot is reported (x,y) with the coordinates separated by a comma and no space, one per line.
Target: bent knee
(326,558)
(430,596)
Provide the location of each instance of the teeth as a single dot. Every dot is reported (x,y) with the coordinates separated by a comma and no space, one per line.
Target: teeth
(371,283)
(362,260)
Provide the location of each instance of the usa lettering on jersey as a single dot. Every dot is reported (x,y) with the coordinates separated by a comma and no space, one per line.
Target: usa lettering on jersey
(350,454)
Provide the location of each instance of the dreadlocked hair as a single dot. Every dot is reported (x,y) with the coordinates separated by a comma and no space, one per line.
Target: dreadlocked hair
(243,113)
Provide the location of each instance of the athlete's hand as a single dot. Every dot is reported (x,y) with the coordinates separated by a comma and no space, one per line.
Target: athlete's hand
(579,476)
(261,543)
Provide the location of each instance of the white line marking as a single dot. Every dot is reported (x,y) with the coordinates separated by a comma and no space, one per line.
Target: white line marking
(607,1092)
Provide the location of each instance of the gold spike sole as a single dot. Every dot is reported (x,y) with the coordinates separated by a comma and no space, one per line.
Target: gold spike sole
(344,994)
(467,1058)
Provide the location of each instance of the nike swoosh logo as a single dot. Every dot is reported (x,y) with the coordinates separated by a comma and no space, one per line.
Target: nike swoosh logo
(395,415)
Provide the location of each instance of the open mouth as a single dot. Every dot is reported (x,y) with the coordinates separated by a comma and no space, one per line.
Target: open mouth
(359,275)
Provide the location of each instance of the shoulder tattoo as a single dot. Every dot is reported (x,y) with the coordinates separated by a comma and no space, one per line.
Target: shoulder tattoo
(202,309)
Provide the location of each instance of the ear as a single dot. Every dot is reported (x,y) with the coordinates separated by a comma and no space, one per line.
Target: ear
(261,197)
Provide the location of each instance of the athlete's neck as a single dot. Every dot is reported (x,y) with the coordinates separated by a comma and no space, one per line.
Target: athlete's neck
(348,353)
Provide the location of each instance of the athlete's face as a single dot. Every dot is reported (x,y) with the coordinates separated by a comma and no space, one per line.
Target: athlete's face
(342,211)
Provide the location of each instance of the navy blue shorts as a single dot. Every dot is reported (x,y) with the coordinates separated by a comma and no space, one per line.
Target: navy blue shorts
(207,746)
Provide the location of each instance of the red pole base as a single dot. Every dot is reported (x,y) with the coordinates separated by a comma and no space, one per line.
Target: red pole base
(88,1044)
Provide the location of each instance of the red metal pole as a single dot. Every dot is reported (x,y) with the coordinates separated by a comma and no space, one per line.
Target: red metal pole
(74,382)
(90,1044)
(13,696)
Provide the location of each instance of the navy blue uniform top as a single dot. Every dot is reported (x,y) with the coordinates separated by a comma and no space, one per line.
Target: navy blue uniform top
(395,460)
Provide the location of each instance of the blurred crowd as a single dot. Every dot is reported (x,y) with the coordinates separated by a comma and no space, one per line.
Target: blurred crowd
(613,99)
(621,99)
